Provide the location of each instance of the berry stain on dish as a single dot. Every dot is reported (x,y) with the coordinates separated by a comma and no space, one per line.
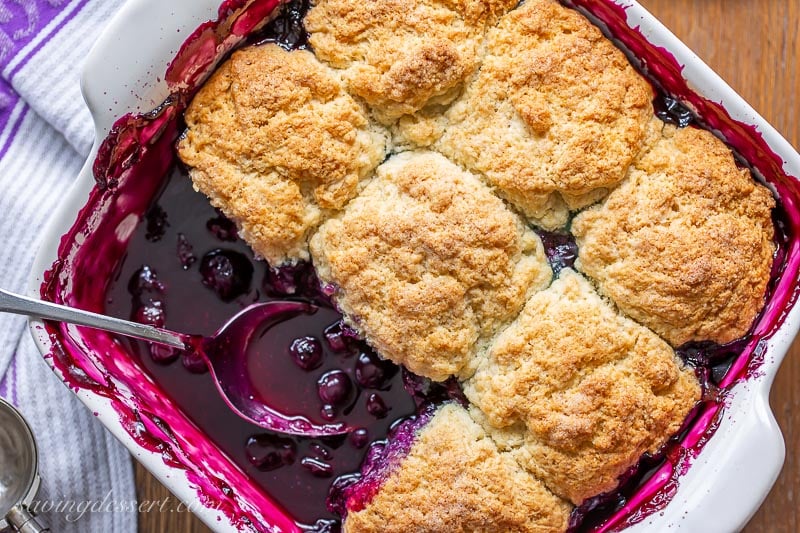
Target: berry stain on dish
(187,268)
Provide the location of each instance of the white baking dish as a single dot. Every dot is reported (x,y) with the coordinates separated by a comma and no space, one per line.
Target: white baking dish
(725,484)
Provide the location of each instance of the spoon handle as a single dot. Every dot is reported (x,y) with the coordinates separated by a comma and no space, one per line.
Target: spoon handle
(22,305)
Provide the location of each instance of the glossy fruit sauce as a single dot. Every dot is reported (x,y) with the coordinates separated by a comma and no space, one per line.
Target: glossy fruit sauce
(170,259)
(308,365)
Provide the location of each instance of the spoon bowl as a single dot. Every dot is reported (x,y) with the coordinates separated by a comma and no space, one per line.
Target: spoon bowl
(226,354)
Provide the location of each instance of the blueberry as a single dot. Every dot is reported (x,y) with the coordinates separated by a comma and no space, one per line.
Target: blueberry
(328,413)
(334,335)
(283,281)
(359,438)
(194,362)
(269,452)
(320,451)
(145,280)
(163,354)
(293,280)
(376,406)
(222,228)
(156,223)
(306,352)
(372,372)
(560,249)
(227,273)
(325,526)
(334,387)
(152,313)
(673,112)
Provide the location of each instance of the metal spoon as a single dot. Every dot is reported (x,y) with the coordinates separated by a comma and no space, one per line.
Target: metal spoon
(225,353)
(19,472)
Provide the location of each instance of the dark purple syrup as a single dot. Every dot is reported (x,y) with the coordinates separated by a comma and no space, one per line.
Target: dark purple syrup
(560,249)
(673,112)
(296,472)
(287,29)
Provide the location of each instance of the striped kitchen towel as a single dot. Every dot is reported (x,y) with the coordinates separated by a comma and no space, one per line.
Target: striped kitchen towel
(45,134)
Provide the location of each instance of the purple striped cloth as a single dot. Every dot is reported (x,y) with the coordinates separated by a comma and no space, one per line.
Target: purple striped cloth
(45,135)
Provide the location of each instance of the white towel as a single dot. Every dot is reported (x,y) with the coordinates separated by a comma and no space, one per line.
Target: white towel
(45,134)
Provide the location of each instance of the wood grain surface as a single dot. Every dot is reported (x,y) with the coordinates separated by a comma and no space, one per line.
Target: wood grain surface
(754,45)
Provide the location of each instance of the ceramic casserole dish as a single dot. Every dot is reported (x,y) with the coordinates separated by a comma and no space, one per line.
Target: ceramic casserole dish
(717,484)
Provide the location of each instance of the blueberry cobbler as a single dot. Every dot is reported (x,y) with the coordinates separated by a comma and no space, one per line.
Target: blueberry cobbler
(529,264)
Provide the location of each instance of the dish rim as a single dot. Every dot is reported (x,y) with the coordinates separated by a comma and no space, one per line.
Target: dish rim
(726,504)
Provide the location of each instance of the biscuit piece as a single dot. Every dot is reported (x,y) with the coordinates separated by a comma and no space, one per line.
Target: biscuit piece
(401,55)
(274,141)
(428,262)
(555,116)
(684,246)
(593,390)
(455,480)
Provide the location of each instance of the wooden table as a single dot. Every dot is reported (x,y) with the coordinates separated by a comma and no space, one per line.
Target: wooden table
(754,45)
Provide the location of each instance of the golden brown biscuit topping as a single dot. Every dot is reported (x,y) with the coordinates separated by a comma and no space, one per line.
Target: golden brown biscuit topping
(401,55)
(593,389)
(428,263)
(684,245)
(274,140)
(454,479)
(555,115)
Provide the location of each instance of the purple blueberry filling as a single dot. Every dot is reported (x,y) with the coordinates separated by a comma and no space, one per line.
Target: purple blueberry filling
(316,361)
(560,249)
(324,368)
(376,406)
(372,372)
(672,111)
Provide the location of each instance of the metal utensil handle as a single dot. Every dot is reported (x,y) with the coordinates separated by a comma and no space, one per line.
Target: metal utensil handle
(23,521)
(22,305)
